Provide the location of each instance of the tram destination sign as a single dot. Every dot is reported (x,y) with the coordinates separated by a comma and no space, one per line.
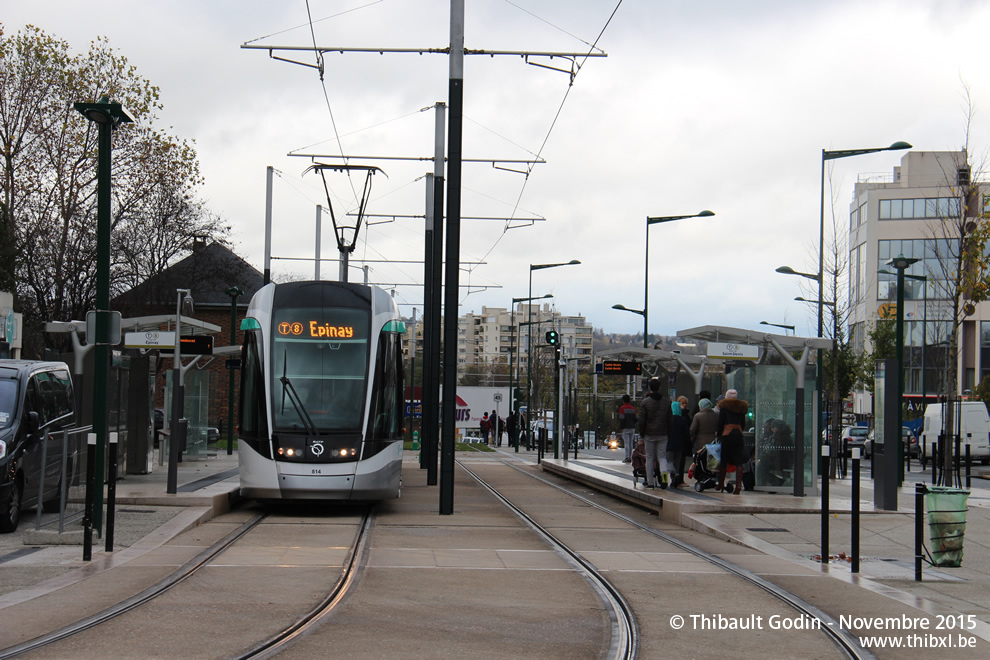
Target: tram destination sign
(621,368)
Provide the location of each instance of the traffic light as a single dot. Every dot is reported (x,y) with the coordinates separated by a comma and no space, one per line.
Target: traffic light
(553,337)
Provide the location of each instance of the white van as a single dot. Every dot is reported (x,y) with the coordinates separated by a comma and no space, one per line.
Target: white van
(974,428)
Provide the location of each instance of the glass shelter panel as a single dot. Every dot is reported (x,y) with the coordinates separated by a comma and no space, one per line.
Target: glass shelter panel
(770,391)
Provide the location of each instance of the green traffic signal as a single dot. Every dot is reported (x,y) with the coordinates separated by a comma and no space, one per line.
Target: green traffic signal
(553,337)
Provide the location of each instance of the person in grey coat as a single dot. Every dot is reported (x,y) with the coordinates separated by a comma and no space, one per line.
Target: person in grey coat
(654,427)
(703,426)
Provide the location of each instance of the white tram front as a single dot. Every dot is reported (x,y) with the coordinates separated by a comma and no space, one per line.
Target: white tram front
(321,397)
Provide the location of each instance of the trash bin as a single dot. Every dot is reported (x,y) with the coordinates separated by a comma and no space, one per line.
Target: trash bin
(946,524)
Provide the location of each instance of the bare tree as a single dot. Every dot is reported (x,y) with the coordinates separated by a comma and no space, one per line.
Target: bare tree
(959,235)
(49,151)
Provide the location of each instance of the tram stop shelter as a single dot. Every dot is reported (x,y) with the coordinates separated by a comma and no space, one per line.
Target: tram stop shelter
(766,369)
(131,395)
(775,375)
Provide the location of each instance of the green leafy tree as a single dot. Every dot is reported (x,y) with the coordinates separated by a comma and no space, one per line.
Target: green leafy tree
(883,339)
(48,202)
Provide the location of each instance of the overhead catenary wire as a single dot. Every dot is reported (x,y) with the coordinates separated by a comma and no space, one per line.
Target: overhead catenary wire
(546,139)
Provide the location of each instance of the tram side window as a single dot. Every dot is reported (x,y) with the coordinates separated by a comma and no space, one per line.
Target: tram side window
(385,409)
(254,423)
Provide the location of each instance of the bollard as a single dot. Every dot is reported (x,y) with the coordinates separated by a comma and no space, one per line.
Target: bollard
(935,462)
(969,466)
(90,487)
(415,440)
(855,510)
(41,480)
(64,482)
(111,488)
(919,529)
(958,457)
(825,471)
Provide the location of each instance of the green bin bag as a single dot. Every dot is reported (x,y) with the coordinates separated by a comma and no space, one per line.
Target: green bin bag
(946,524)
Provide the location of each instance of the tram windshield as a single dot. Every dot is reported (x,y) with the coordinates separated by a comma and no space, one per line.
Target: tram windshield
(320,363)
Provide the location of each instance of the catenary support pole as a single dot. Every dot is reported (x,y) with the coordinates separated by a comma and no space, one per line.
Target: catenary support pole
(456,99)
(269,173)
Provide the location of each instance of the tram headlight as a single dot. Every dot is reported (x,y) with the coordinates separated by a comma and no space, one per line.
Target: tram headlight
(343,452)
(290,452)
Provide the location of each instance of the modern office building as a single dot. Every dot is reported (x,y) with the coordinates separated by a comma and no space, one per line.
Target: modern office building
(916,212)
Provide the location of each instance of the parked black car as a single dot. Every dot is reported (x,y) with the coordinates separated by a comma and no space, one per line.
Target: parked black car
(36,403)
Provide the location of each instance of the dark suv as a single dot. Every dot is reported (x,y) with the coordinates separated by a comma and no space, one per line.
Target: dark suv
(36,404)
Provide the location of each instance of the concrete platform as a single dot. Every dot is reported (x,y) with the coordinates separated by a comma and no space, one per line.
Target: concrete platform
(788,528)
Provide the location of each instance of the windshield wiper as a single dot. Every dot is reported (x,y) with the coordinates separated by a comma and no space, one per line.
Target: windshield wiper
(295,401)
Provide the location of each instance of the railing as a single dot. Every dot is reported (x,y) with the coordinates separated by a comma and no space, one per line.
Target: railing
(64,488)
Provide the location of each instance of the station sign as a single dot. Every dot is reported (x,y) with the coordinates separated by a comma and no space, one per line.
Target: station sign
(887,311)
(620,368)
(149,339)
(732,351)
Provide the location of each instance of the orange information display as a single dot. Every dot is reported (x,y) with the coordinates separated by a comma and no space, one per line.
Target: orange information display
(622,368)
(315,330)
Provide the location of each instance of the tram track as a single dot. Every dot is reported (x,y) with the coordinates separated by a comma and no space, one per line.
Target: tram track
(273,644)
(276,643)
(847,644)
(186,571)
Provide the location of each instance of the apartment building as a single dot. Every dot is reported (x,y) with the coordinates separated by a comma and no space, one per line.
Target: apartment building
(487,338)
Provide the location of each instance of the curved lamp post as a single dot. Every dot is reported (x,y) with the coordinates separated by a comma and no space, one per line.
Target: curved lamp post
(529,345)
(646,278)
(641,312)
(779,325)
(107,116)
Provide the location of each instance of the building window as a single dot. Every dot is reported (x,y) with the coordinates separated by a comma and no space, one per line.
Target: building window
(938,207)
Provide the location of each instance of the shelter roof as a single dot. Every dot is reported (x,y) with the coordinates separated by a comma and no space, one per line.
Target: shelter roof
(719,333)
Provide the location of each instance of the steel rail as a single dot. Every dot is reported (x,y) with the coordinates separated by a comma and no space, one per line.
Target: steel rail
(625,632)
(278,642)
(188,569)
(842,638)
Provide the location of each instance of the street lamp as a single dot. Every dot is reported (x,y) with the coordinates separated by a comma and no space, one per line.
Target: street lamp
(900,263)
(641,312)
(834,155)
(234,292)
(514,372)
(646,277)
(780,325)
(529,344)
(183,303)
(107,116)
(924,332)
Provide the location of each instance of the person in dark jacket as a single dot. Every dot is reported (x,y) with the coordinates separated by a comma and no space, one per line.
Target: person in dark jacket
(731,421)
(654,427)
(679,441)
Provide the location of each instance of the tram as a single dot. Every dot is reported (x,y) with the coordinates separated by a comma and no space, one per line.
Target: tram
(321,396)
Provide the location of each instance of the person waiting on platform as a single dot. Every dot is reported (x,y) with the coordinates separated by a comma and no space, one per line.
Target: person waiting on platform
(731,419)
(627,425)
(654,428)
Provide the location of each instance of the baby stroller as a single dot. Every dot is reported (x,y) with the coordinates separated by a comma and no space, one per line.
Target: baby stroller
(639,464)
(704,470)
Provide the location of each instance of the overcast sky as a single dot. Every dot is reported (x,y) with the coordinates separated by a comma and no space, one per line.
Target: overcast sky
(720,105)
